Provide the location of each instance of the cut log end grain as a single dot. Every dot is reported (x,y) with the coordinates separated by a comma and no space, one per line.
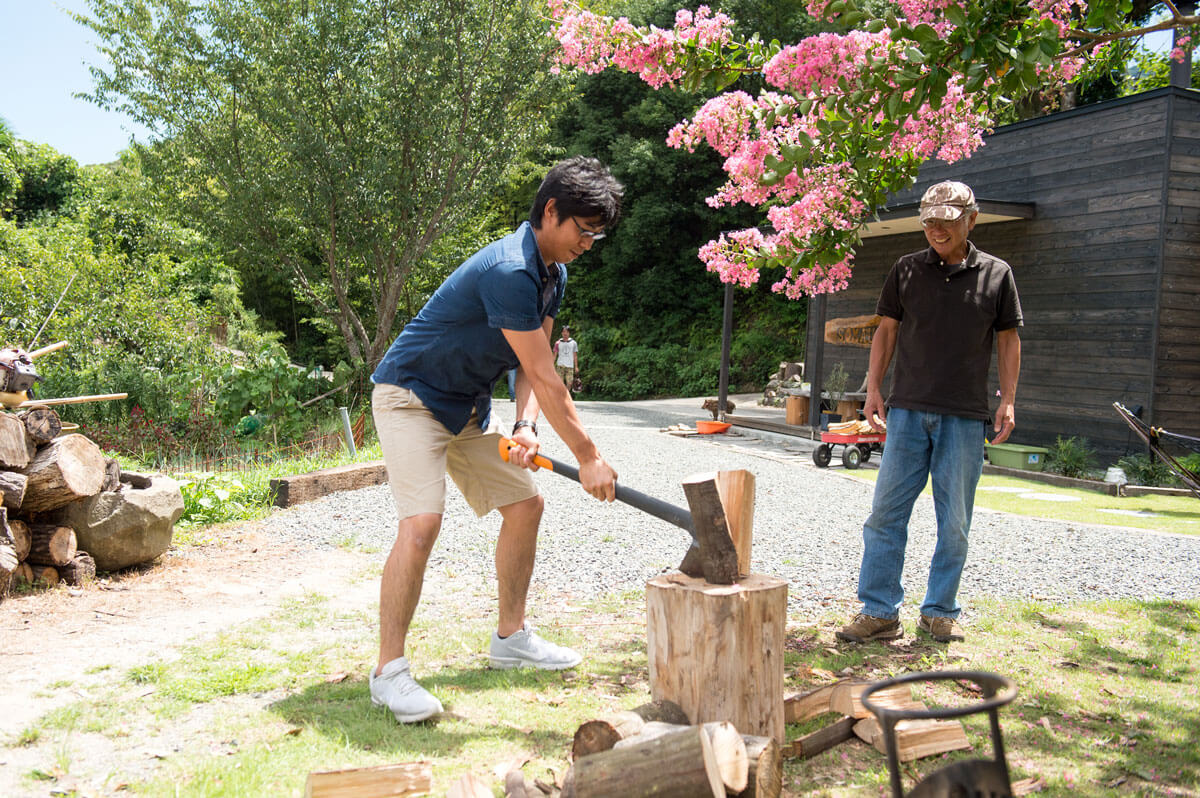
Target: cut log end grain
(51,544)
(44,575)
(601,734)
(42,424)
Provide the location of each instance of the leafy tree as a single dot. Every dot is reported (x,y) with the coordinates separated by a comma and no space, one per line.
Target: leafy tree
(10,178)
(338,139)
(848,119)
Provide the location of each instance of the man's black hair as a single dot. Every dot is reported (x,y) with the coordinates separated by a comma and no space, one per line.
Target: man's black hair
(582,187)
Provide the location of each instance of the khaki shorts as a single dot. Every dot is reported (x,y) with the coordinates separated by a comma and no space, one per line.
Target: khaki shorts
(419,451)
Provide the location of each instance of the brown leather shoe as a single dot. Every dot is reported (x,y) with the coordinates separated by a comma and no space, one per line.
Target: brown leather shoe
(941,629)
(867,627)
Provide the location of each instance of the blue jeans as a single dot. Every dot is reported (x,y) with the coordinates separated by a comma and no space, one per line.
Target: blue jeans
(919,444)
(512,384)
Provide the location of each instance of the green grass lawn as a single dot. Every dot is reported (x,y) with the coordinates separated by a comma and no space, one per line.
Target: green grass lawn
(1180,514)
(1109,701)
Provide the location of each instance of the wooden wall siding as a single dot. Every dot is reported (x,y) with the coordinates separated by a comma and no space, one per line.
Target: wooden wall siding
(1177,378)
(1111,299)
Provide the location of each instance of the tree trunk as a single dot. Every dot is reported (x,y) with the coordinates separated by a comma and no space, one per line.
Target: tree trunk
(12,489)
(679,765)
(41,423)
(51,545)
(717,651)
(602,734)
(67,469)
(14,446)
(21,536)
(79,571)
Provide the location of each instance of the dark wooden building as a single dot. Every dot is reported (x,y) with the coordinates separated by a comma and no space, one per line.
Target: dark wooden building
(1098,211)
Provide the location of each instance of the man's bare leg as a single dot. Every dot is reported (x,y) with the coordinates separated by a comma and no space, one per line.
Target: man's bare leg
(515,552)
(403,576)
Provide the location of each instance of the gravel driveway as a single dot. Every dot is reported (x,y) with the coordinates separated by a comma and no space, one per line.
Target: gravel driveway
(807,526)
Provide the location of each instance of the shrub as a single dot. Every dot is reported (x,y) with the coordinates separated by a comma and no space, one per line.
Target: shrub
(1145,469)
(1072,457)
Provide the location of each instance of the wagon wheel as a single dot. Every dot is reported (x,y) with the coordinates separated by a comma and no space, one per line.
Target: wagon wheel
(851,457)
(865,449)
(822,455)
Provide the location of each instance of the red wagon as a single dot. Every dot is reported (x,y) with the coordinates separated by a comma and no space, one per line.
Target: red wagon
(856,448)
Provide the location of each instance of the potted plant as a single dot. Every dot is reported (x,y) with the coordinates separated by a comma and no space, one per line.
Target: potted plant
(835,390)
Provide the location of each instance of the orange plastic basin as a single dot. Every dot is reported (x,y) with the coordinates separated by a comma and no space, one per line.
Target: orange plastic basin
(710,427)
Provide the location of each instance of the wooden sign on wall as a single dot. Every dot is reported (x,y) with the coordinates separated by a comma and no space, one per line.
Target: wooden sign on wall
(852,330)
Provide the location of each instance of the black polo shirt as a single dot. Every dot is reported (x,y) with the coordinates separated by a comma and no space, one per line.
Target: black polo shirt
(949,315)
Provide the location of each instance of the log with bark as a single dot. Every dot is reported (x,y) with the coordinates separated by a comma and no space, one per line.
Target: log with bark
(679,765)
(79,571)
(728,747)
(601,734)
(51,544)
(44,575)
(764,759)
(8,554)
(21,536)
(12,488)
(64,470)
(42,424)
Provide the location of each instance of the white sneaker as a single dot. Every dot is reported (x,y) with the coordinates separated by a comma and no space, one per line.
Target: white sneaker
(396,689)
(524,649)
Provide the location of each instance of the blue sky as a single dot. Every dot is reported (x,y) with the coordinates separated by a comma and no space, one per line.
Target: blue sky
(44,56)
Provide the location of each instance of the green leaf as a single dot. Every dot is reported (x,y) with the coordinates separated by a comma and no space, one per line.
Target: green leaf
(954,13)
(914,55)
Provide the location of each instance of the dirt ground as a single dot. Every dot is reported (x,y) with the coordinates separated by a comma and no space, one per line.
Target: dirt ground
(80,637)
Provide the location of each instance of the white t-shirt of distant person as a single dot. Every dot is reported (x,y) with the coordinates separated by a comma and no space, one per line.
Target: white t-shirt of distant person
(566,352)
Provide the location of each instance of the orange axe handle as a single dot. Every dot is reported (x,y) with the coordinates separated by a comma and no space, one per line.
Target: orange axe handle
(647,504)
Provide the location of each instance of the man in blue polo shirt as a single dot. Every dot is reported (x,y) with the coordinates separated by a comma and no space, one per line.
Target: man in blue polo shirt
(944,309)
(432,409)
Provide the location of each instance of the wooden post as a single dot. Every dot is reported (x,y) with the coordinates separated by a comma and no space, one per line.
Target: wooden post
(796,410)
(717,650)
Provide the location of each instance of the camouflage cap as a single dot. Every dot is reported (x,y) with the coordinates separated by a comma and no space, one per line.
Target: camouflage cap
(946,201)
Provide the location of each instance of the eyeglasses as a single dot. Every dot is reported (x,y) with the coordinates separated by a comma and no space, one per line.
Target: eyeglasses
(583,231)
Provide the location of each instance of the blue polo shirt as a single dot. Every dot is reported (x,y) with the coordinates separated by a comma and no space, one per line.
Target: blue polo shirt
(453,352)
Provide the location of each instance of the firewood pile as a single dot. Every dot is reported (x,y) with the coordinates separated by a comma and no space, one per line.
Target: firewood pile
(41,471)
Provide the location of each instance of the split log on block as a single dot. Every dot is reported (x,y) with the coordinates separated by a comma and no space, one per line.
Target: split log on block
(737,496)
(714,558)
(764,776)
(112,475)
(64,470)
(727,745)
(381,781)
(822,739)
(12,488)
(44,575)
(50,544)
(916,738)
(470,786)
(42,424)
(717,650)
(14,445)
(79,571)
(679,765)
(847,698)
(21,536)
(602,734)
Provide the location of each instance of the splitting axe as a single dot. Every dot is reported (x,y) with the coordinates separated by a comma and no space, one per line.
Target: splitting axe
(712,554)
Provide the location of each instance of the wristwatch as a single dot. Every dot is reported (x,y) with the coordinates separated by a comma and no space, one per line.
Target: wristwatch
(525,423)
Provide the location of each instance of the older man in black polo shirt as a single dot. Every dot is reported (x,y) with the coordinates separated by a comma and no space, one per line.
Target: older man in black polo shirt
(942,308)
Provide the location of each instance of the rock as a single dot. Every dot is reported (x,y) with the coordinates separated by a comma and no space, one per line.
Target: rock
(126,527)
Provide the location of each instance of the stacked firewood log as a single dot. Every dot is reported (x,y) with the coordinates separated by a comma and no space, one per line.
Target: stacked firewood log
(42,470)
